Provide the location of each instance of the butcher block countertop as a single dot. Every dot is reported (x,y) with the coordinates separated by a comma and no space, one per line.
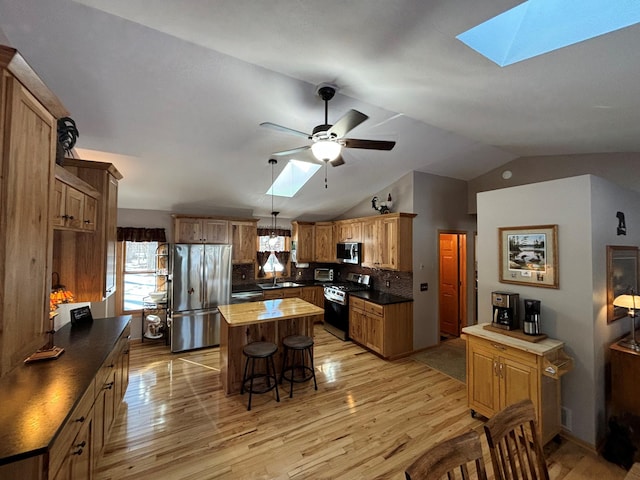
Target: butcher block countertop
(268,310)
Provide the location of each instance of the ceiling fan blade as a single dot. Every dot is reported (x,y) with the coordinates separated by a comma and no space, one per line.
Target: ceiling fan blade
(291,152)
(337,162)
(347,122)
(369,144)
(288,130)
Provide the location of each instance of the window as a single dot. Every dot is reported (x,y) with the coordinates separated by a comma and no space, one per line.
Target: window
(139,273)
(273,264)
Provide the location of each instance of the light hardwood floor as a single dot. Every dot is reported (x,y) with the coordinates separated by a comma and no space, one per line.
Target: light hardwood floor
(368,420)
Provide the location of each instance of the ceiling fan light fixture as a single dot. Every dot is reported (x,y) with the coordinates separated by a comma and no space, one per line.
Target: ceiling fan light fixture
(326,150)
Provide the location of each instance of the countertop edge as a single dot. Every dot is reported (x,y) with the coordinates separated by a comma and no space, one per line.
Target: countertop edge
(540,348)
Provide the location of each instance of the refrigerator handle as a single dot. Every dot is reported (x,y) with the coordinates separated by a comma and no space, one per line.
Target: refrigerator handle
(203,288)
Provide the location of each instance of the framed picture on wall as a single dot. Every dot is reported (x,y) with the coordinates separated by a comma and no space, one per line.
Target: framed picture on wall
(529,255)
(622,277)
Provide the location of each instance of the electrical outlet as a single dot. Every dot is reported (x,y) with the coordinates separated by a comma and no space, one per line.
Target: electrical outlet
(424,287)
(388,283)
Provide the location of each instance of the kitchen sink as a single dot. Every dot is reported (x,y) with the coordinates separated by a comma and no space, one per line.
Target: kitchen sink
(271,286)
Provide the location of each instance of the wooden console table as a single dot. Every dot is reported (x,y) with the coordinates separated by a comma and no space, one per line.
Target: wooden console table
(267,321)
(625,389)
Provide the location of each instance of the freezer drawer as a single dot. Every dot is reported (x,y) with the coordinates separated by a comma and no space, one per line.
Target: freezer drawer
(191,330)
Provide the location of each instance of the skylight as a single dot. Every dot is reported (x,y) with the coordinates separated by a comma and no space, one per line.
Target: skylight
(292,178)
(540,26)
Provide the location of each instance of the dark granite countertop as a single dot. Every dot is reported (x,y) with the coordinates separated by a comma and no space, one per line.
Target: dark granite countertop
(39,397)
(253,287)
(379,297)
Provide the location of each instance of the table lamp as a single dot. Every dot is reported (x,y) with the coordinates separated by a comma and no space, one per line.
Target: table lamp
(59,294)
(630,302)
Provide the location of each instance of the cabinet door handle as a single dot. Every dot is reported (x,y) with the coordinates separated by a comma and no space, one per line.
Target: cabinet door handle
(498,346)
(87,222)
(501,367)
(108,386)
(79,446)
(495,368)
(70,217)
(81,419)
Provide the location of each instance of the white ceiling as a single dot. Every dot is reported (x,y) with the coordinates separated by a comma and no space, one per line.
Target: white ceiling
(174,92)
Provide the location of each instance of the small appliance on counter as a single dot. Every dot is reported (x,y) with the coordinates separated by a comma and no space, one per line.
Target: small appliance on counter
(531,325)
(323,275)
(505,310)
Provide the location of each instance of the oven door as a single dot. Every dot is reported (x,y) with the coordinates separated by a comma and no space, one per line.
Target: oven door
(336,319)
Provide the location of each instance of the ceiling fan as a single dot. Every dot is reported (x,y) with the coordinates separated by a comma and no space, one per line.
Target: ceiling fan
(328,140)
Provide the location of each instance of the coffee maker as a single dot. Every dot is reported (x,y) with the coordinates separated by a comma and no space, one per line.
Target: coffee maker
(531,324)
(505,310)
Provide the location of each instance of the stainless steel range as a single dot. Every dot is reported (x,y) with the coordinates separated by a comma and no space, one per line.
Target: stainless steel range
(336,303)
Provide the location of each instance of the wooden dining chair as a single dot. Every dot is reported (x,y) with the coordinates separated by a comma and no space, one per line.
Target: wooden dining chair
(449,456)
(516,452)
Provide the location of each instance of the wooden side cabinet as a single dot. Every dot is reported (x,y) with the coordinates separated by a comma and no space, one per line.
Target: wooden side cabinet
(502,371)
(388,242)
(625,390)
(87,263)
(384,329)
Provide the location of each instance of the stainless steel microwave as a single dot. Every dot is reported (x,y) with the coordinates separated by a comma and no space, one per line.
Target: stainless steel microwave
(349,253)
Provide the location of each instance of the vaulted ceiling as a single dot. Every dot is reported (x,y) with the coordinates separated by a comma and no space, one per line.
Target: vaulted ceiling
(173,93)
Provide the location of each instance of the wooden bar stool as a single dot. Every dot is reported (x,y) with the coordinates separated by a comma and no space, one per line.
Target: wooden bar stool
(303,346)
(254,351)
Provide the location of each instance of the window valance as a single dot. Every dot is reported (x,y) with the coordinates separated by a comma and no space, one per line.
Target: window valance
(140,234)
(280,232)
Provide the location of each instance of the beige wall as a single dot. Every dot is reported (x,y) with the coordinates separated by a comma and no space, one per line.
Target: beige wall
(620,168)
(584,208)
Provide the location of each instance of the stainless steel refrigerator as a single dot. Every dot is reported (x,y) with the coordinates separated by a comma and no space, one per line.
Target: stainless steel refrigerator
(201,280)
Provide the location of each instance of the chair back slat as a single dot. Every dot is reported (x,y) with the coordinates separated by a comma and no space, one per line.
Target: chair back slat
(516,453)
(446,458)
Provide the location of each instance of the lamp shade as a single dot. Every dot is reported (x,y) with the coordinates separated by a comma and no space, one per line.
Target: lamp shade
(326,150)
(627,301)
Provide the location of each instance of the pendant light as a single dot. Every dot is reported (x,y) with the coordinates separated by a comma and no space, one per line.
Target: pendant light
(273,238)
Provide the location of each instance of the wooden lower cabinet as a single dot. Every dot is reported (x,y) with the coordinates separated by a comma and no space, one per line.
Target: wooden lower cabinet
(501,372)
(80,441)
(384,329)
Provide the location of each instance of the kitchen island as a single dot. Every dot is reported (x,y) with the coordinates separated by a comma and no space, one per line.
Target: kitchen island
(267,321)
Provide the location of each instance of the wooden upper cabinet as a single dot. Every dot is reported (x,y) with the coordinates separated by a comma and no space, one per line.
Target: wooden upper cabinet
(244,239)
(325,246)
(388,242)
(87,263)
(348,231)
(303,234)
(28,113)
(200,230)
(75,203)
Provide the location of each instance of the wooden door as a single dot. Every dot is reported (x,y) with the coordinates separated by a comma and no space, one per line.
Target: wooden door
(244,240)
(325,248)
(370,244)
(215,231)
(388,242)
(188,230)
(482,379)
(449,285)
(27,183)
(110,235)
(304,235)
(518,381)
(74,208)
